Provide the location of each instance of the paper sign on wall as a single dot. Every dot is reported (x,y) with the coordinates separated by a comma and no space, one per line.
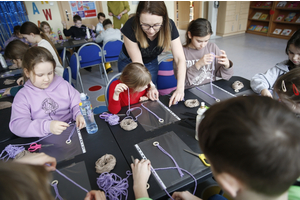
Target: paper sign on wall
(85,9)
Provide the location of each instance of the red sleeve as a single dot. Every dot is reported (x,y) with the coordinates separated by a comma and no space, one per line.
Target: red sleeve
(113,106)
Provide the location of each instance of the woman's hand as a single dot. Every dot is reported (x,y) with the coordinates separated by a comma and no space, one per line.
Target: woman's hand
(223,60)
(110,14)
(80,123)
(152,93)
(121,87)
(140,173)
(57,127)
(177,96)
(185,195)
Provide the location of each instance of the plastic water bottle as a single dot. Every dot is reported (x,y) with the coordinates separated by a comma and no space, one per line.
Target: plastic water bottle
(3,62)
(88,35)
(87,112)
(59,35)
(199,117)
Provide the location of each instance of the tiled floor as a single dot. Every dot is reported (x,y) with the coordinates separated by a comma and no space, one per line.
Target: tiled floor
(249,53)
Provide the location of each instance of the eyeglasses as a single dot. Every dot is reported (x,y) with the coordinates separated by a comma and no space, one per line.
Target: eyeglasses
(147,27)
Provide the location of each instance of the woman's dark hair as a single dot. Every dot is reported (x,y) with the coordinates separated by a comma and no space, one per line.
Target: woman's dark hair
(199,27)
(295,40)
(154,8)
(255,139)
(29,27)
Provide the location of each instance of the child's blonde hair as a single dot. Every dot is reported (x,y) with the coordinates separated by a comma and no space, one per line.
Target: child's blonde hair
(287,86)
(36,55)
(135,75)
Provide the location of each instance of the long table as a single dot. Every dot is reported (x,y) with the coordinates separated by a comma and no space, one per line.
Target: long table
(114,140)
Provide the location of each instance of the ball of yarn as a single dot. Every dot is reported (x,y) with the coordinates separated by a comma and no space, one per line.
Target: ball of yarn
(128,124)
(237,85)
(105,164)
(191,103)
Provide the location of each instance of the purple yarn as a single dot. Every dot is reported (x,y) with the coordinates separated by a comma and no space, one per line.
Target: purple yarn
(207,93)
(54,185)
(131,109)
(178,168)
(110,118)
(151,112)
(71,134)
(11,152)
(113,185)
(212,73)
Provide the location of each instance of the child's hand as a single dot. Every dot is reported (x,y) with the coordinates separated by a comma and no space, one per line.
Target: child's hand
(266,92)
(184,195)
(95,195)
(223,60)
(93,27)
(64,24)
(57,127)
(140,173)
(121,87)
(80,123)
(38,159)
(6,92)
(143,98)
(205,60)
(20,81)
(153,93)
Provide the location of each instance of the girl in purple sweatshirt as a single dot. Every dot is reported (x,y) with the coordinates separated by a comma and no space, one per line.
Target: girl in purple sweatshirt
(47,103)
(200,53)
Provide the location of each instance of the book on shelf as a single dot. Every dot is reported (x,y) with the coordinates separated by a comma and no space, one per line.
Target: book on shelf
(298,20)
(252,27)
(257,4)
(282,4)
(257,15)
(286,32)
(294,4)
(264,29)
(263,17)
(277,31)
(267,4)
(279,18)
(258,28)
(290,17)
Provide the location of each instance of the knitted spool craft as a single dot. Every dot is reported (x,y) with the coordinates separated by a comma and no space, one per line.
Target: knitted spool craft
(9,81)
(191,103)
(237,85)
(105,164)
(128,124)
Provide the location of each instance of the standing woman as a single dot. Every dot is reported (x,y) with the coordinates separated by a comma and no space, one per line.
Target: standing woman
(119,10)
(146,35)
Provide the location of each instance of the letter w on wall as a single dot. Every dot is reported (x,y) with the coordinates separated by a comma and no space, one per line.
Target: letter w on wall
(47,14)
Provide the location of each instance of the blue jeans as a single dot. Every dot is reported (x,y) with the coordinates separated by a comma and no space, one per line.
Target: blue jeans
(151,66)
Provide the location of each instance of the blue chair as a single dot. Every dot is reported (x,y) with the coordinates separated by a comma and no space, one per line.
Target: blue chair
(63,57)
(74,64)
(90,54)
(166,81)
(67,75)
(111,50)
(115,77)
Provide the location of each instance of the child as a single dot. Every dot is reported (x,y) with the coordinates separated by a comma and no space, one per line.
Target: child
(47,102)
(15,51)
(109,33)
(26,173)
(16,36)
(99,27)
(32,34)
(197,51)
(287,87)
(77,31)
(135,77)
(252,144)
(262,83)
(45,27)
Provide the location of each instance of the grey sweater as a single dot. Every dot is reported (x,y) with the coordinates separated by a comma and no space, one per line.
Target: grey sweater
(266,81)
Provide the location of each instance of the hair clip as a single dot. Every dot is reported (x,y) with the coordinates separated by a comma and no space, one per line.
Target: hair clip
(283,86)
(295,90)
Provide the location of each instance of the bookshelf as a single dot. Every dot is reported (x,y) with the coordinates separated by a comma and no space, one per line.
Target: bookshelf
(277,12)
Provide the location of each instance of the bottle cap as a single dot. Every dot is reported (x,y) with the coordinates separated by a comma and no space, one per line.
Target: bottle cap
(202,104)
(80,104)
(82,96)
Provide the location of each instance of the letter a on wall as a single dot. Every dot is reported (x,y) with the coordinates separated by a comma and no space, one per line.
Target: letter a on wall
(35,9)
